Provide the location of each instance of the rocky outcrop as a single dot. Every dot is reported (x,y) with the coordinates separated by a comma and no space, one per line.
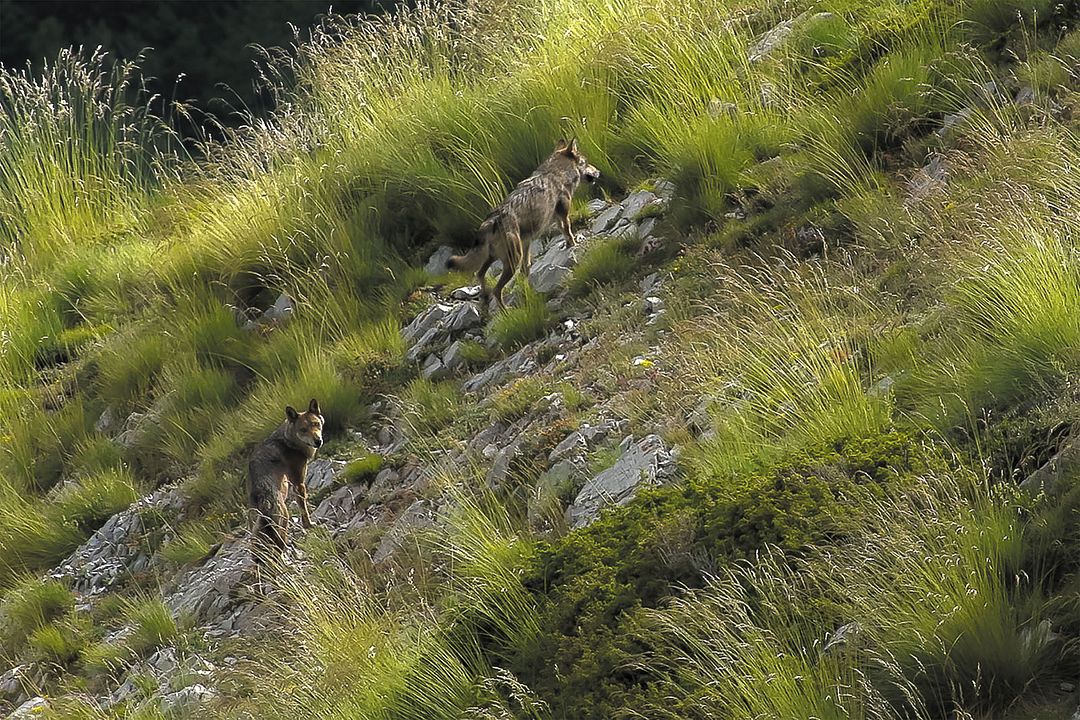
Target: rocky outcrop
(119,548)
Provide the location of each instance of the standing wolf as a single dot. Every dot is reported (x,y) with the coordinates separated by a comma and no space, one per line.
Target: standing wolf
(528,210)
(278,462)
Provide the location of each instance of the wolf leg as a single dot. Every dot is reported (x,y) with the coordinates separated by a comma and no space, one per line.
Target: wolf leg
(507,273)
(481,275)
(562,211)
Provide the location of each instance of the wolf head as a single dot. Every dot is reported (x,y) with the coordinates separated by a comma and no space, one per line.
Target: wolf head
(585,171)
(304,429)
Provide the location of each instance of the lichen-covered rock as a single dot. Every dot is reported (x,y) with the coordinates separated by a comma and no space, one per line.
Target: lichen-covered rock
(33,708)
(187,702)
(208,591)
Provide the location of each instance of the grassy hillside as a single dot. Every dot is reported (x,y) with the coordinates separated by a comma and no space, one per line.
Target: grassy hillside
(870,337)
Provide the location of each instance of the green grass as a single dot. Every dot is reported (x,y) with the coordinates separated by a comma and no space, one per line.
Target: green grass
(28,605)
(427,405)
(605,262)
(363,468)
(130,273)
(520,324)
(517,398)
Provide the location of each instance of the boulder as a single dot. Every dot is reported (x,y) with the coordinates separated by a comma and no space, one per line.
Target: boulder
(426,321)
(647,461)
(930,179)
(187,702)
(550,269)
(209,591)
(636,202)
(771,40)
(1047,479)
(322,473)
(606,219)
(468,292)
(437,263)
(35,707)
(463,317)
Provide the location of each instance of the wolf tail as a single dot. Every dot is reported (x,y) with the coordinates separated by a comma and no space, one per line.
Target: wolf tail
(472,260)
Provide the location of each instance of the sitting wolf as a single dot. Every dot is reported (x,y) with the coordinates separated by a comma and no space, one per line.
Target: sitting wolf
(528,210)
(278,462)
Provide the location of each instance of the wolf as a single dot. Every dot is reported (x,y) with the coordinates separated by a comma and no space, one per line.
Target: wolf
(528,210)
(278,463)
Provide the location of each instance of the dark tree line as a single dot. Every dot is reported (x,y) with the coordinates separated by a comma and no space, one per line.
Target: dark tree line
(207,42)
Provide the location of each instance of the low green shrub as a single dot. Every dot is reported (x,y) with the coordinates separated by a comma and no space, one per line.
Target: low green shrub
(363,468)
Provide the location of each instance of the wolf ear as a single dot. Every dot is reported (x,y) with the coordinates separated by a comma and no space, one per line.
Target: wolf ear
(573,147)
(313,407)
(561,145)
(290,412)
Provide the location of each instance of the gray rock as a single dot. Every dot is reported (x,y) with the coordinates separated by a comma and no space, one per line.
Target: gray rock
(596,205)
(718,109)
(624,228)
(500,468)
(282,309)
(636,202)
(1025,96)
(468,292)
(136,426)
(339,506)
(452,358)
(433,368)
(106,422)
(844,636)
(951,122)
(436,264)
(208,591)
(13,681)
(430,339)
(930,179)
(30,709)
(520,363)
(664,189)
(163,662)
(187,702)
(646,228)
(550,269)
(644,462)
(322,473)
(418,516)
(463,317)
(606,219)
(654,305)
(650,284)
(586,438)
(1047,479)
(772,39)
(882,387)
(425,321)
(116,549)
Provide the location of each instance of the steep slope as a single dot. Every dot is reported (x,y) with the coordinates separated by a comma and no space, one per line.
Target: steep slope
(788,435)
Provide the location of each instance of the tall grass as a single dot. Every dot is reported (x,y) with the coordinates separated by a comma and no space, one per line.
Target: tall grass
(81,152)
